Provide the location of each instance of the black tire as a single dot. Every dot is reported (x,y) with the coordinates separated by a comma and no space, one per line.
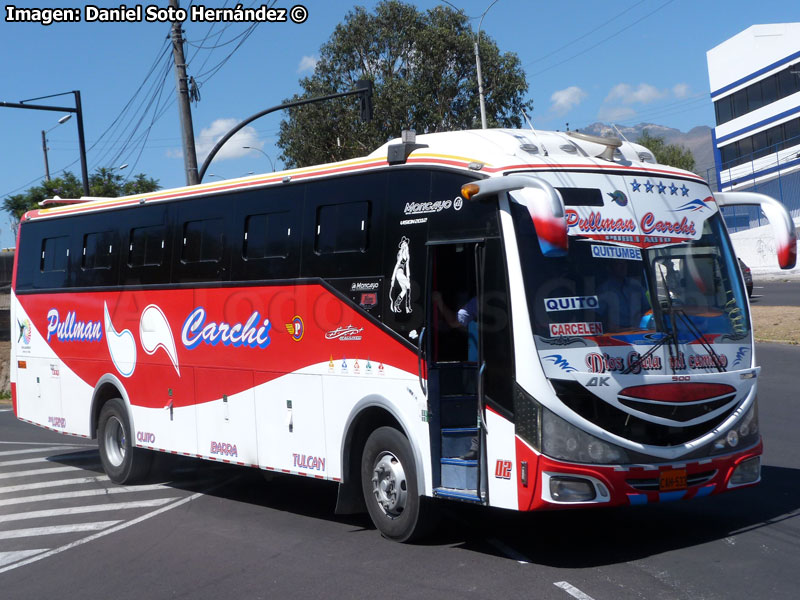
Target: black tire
(389,483)
(121,461)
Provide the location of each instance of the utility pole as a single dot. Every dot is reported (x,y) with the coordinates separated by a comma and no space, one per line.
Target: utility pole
(46,164)
(181,82)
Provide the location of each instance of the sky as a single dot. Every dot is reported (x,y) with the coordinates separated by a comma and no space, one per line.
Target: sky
(625,62)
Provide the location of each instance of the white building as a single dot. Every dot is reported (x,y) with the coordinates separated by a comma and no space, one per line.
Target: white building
(755,86)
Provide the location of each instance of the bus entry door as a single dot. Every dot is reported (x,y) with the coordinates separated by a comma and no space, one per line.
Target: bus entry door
(452,348)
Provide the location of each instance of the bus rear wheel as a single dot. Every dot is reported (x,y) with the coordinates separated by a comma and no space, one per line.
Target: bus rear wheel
(122,462)
(389,484)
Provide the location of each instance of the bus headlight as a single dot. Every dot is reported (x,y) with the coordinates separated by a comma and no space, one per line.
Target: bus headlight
(742,434)
(566,442)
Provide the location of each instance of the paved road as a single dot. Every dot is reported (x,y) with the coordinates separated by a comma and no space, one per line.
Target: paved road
(227,533)
(776,293)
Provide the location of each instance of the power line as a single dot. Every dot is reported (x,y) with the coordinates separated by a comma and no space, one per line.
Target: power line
(585,35)
(604,40)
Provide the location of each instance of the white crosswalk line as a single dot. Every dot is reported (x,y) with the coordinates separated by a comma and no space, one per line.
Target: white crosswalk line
(51,484)
(87,446)
(35,472)
(48,459)
(6,558)
(78,510)
(34,450)
(56,529)
(84,494)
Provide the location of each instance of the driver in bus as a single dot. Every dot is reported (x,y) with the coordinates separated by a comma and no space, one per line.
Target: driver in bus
(623,299)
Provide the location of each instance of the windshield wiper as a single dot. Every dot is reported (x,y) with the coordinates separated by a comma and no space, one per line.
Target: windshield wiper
(668,337)
(703,340)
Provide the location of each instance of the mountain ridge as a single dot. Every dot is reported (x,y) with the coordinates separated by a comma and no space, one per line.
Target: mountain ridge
(697,140)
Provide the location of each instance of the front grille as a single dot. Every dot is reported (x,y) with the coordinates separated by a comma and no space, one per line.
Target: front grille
(625,425)
(652,484)
(675,412)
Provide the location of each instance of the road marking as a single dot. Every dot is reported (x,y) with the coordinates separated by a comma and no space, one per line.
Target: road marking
(32,450)
(509,551)
(572,590)
(114,529)
(49,444)
(11,557)
(49,484)
(49,459)
(84,494)
(56,529)
(16,474)
(79,510)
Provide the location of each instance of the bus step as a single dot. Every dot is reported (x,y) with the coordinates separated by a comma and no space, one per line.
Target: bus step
(463,495)
(459,474)
(458,411)
(456,441)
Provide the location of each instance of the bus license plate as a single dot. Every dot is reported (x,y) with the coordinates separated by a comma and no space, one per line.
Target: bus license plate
(672,480)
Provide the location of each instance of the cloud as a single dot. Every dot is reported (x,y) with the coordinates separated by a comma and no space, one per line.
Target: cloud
(627,94)
(307,63)
(566,99)
(681,90)
(615,113)
(233,148)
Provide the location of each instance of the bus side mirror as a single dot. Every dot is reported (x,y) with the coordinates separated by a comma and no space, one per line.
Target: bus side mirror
(547,214)
(544,204)
(782,224)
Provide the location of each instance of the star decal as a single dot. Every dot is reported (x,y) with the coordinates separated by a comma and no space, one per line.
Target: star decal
(635,185)
(648,187)
(672,189)
(684,190)
(661,187)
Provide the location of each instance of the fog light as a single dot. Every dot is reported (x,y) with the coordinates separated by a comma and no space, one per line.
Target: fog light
(747,472)
(571,489)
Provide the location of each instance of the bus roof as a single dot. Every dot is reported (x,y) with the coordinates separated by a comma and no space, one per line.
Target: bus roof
(490,152)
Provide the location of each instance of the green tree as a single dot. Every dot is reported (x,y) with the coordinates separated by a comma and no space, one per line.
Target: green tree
(422,65)
(673,155)
(103,182)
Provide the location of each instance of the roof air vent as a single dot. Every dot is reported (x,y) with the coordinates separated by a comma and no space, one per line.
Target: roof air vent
(647,157)
(611,143)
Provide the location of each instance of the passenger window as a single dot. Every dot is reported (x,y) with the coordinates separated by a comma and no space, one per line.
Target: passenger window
(146,248)
(202,241)
(267,235)
(342,228)
(98,250)
(55,254)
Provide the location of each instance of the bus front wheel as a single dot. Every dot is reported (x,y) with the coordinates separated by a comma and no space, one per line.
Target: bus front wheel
(122,462)
(389,483)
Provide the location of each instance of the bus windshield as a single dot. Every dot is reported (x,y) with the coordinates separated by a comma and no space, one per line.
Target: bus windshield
(601,294)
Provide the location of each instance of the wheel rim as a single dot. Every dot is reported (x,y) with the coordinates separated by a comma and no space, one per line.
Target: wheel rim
(114,441)
(389,485)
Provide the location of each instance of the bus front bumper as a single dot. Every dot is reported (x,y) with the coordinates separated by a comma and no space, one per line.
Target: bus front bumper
(563,485)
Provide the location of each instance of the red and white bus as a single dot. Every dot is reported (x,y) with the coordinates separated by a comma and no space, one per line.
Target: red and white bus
(526,320)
